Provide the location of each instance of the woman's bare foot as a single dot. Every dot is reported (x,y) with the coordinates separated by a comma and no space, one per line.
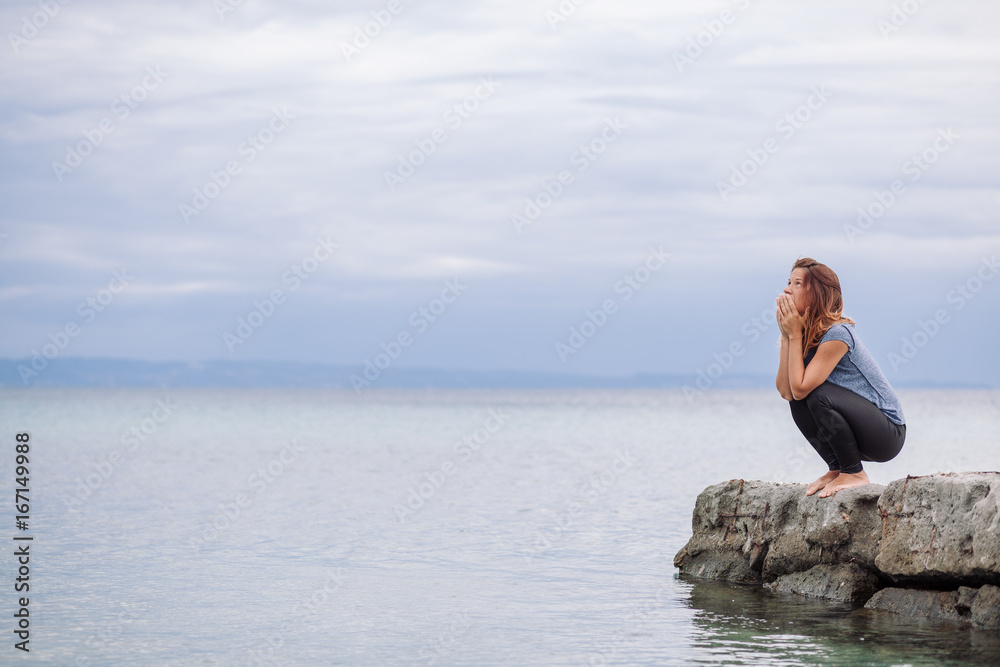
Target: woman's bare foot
(822,481)
(844,481)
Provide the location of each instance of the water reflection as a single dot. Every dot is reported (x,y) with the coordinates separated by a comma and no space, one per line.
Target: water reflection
(749,625)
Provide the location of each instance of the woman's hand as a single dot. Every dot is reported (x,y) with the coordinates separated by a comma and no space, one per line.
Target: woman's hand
(789,321)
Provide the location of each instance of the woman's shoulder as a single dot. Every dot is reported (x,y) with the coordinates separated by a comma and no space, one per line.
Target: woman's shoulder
(843,331)
(846,325)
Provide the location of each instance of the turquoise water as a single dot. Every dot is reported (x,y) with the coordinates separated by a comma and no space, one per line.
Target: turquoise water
(467,527)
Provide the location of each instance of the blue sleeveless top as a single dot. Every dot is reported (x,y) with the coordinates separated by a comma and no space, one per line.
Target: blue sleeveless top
(858,372)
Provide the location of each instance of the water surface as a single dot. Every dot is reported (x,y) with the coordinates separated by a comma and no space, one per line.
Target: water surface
(463,527)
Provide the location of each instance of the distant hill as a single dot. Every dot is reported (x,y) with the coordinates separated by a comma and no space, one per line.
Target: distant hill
(73,372)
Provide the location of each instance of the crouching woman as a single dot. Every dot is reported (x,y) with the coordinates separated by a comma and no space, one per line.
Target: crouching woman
(839,397)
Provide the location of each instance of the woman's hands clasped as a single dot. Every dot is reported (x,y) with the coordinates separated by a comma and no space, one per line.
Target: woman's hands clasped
(789,320)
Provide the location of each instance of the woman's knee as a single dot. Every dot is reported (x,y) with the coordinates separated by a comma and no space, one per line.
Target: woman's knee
(820,403)
(821,394)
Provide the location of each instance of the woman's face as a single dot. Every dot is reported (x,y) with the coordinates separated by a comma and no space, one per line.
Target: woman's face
(798,291)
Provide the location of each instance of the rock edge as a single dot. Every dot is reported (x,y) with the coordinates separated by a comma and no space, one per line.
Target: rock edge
(925,546)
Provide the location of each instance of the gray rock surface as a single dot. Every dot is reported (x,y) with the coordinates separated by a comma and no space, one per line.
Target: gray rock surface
(985,608)
(980,607)
(843,583)
(941,529)
(938,605)
(752,531)
(924,534)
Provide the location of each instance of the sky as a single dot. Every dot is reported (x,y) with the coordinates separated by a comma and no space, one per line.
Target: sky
(583,187)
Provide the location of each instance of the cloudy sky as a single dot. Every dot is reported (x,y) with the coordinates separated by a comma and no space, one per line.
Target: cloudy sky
(508,167)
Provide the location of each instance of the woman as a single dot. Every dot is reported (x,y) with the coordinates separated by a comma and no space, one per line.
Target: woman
(839,397)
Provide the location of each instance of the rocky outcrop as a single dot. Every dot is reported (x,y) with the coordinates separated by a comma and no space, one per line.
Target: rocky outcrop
(980,607)
(941,530)
(843,583)
(922,545)
(754,532)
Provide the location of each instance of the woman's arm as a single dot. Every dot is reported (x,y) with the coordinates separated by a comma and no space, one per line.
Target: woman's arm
(800,379)
(803,379)
(781,382)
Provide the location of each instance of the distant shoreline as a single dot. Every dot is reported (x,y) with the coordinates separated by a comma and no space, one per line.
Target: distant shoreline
(122,373)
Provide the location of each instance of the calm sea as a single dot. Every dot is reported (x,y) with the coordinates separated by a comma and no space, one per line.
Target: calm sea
(467,527)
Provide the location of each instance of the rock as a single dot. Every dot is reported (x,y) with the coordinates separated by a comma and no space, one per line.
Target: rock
(938,605)
(985,608)
(924,534)
(843,583)
(980,607)
(725,566)
(753,532)
(941,529)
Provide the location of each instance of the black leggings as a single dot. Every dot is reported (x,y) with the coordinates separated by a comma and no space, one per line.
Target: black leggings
(846,429)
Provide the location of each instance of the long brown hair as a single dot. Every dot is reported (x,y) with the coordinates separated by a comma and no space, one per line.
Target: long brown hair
(827,303)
